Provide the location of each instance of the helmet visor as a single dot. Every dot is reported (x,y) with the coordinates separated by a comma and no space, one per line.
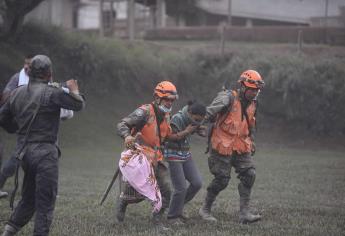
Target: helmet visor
(259,84)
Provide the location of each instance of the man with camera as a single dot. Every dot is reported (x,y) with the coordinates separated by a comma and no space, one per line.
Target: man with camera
(33,112)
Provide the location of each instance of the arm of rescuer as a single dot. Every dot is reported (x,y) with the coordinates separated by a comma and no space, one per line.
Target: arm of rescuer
(71,100)
(178,135)
(221,104)
(179,129)
(134,121)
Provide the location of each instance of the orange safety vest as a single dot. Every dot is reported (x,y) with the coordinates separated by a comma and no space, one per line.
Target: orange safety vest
(150,136)
(231,131)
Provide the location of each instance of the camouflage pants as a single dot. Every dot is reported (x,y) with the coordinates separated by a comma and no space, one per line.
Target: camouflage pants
(128,195)
(220,166)
(162,176)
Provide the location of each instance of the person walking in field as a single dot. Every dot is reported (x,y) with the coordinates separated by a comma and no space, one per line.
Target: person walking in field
(152,122)
(181,164)
(20,79)
(232,143)
(33,112)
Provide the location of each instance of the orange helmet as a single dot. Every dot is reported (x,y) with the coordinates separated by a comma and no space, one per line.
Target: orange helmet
(166,89)
(252,79)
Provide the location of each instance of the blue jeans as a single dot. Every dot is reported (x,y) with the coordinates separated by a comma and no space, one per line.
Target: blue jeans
(179,173)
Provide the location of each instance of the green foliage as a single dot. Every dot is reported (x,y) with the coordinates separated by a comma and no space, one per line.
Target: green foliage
(299,89)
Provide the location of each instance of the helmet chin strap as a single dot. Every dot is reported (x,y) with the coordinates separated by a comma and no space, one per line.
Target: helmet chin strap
(162,108)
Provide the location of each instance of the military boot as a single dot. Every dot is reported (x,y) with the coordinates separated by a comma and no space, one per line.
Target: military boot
(157,220)
(205,210)
(246,217)
(9,230)
(121,207)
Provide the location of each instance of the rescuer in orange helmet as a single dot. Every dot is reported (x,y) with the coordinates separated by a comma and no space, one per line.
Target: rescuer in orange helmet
(231,143)
(152,121)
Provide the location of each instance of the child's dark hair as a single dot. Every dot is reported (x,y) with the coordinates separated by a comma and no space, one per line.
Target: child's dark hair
(196,108)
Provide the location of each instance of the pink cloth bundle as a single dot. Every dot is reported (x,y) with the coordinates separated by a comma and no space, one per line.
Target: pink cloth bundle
(139,173)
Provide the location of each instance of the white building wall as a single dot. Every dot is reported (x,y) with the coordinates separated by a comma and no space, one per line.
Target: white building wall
(88,17)
(298,11)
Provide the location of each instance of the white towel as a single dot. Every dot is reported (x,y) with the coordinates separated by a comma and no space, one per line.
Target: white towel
(64,113)
(23,78)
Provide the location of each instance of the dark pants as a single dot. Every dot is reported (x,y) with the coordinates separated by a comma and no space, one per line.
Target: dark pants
(9,167)
(162,176)
(179,173)
(8,170)
(40,165)
(220,166)
(1,154)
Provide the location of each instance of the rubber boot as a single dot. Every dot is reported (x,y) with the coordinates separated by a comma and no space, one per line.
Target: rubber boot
(9,230)
(121,207)
(205,210)
(246,217)
(157,220)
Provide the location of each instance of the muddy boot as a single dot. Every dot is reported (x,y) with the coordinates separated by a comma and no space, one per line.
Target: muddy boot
(205,210)
(121,207)
(157,220)
(246,217)
(9,230)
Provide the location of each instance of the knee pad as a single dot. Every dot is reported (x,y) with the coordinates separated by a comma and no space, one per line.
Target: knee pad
(248,177)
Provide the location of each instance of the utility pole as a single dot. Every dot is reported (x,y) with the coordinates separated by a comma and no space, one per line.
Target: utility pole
(131,19)
(112,18)
(161,13)
(101,23)
(326,12)
(229,12)
(326,21)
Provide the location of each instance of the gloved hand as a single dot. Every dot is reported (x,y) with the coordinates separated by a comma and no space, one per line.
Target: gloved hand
(129,142)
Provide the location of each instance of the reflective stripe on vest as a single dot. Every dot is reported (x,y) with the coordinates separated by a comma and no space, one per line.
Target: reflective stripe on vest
(231,133)
(150,134)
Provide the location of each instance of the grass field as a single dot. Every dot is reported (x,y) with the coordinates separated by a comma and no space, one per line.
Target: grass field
(298,192)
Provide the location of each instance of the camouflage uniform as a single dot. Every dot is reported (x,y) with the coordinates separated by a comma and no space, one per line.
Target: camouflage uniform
(40,159)
(220,165)
(137,120)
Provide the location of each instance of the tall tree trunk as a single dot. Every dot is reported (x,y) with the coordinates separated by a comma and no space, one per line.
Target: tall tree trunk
(13,13)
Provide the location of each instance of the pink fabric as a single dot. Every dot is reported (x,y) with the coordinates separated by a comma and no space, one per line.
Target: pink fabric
(138,171)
